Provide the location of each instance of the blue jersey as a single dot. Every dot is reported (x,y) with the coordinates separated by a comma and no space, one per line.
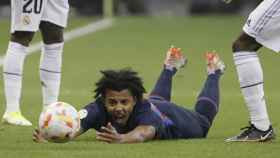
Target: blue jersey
(169,120)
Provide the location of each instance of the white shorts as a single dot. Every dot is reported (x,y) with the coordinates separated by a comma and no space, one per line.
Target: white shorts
(26,15)
(264,24)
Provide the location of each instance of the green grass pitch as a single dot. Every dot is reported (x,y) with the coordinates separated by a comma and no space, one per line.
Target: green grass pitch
(140,43)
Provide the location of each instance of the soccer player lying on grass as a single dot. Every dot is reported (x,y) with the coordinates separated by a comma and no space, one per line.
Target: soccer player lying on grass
(120,114)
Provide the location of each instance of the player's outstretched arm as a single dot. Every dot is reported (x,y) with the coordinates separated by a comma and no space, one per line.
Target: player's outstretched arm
(138,135)
(38,137)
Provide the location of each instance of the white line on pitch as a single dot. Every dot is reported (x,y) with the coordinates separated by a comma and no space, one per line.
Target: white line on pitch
(73,34)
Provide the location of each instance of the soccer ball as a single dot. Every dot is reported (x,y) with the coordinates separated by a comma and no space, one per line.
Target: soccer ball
(59,122)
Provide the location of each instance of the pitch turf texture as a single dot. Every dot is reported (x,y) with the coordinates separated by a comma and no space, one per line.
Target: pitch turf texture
(140,43)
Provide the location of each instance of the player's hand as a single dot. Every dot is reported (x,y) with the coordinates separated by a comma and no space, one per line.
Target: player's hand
(227,1)
(37,137)
(109,134)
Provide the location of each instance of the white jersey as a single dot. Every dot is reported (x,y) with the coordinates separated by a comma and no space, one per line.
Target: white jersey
(264,24)
(26,15)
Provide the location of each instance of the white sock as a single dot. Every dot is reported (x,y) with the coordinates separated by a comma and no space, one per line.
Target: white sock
(251,82)
(12,73)
(50,71)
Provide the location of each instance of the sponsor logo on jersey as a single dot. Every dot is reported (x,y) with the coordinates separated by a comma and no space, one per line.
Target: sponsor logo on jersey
(26,20)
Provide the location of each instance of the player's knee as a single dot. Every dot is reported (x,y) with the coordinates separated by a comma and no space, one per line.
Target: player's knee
(238,45)
(51,33)
(245,43)
(22,37)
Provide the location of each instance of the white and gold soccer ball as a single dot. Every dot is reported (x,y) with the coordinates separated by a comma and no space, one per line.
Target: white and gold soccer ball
(59,122)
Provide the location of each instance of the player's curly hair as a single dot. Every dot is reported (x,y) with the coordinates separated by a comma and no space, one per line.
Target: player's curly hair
(118,80)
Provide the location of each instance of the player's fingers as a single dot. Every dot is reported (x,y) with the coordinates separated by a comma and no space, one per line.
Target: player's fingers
(104,134)
(35,138)
(107,135)
(107,130)
(109,125)
(37,131)
(104,139)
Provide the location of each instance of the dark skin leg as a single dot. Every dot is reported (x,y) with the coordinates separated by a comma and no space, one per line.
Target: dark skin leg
(51,33)
(22,37)
(245,43)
